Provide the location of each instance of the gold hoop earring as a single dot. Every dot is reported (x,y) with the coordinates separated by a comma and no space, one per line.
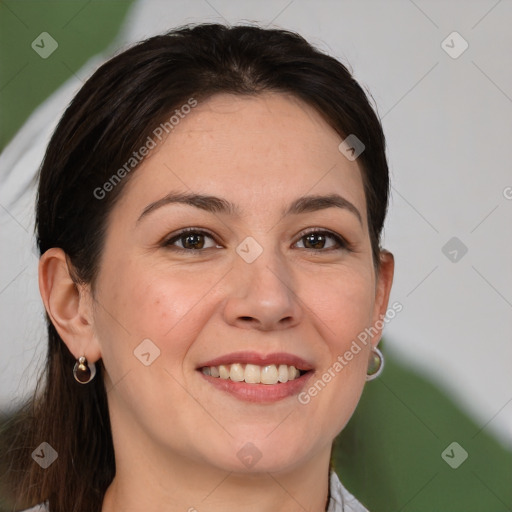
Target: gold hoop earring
(83,371)
(376,364)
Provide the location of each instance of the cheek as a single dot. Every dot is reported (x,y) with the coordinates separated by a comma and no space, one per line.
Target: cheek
(146,302)
(345,302)
(343,305)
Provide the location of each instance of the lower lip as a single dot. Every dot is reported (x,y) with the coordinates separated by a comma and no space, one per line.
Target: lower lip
(259,392)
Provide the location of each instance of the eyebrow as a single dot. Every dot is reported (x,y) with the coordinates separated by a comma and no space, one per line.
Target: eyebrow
(215,204)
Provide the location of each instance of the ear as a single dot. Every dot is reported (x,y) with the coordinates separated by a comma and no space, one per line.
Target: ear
(68,304)
(382,291)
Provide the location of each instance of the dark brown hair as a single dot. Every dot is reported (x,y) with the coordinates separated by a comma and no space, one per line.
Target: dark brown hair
(109,119)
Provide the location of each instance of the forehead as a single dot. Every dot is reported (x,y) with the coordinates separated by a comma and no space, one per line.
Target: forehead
(253,150)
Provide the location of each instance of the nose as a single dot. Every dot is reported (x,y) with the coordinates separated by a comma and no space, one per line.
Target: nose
(262,295)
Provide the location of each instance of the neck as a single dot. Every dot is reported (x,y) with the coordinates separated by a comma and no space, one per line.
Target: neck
(149,480)
(229,492)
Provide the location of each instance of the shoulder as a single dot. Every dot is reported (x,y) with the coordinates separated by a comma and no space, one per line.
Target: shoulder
(38,508)
(341,499)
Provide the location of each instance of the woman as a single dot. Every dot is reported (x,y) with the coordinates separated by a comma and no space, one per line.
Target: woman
(209,217)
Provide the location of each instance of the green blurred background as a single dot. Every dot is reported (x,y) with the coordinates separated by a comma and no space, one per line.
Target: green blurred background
(81,28)
(389,455)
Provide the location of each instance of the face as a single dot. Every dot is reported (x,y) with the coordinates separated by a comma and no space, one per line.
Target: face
(251,285)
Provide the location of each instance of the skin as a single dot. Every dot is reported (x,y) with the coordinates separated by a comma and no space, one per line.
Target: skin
(176,437)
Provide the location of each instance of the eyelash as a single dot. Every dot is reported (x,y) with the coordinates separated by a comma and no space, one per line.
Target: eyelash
(343,245)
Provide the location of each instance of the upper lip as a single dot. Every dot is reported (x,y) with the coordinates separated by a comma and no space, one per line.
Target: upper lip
(276,358)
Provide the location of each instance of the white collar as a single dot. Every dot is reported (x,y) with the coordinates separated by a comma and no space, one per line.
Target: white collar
(341,499)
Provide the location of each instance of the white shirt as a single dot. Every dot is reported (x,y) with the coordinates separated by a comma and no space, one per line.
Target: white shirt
(341,499)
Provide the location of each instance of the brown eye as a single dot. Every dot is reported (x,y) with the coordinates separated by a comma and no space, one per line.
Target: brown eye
(190,240)
(317,241)
(314,241)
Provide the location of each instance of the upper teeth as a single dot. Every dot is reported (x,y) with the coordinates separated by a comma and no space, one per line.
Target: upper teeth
(252,373)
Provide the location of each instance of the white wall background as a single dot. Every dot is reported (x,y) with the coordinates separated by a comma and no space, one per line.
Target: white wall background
(448,127)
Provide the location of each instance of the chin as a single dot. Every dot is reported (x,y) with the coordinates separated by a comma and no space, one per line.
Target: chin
(269,454)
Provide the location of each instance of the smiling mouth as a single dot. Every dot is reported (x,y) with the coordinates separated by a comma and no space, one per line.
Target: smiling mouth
(254,374)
